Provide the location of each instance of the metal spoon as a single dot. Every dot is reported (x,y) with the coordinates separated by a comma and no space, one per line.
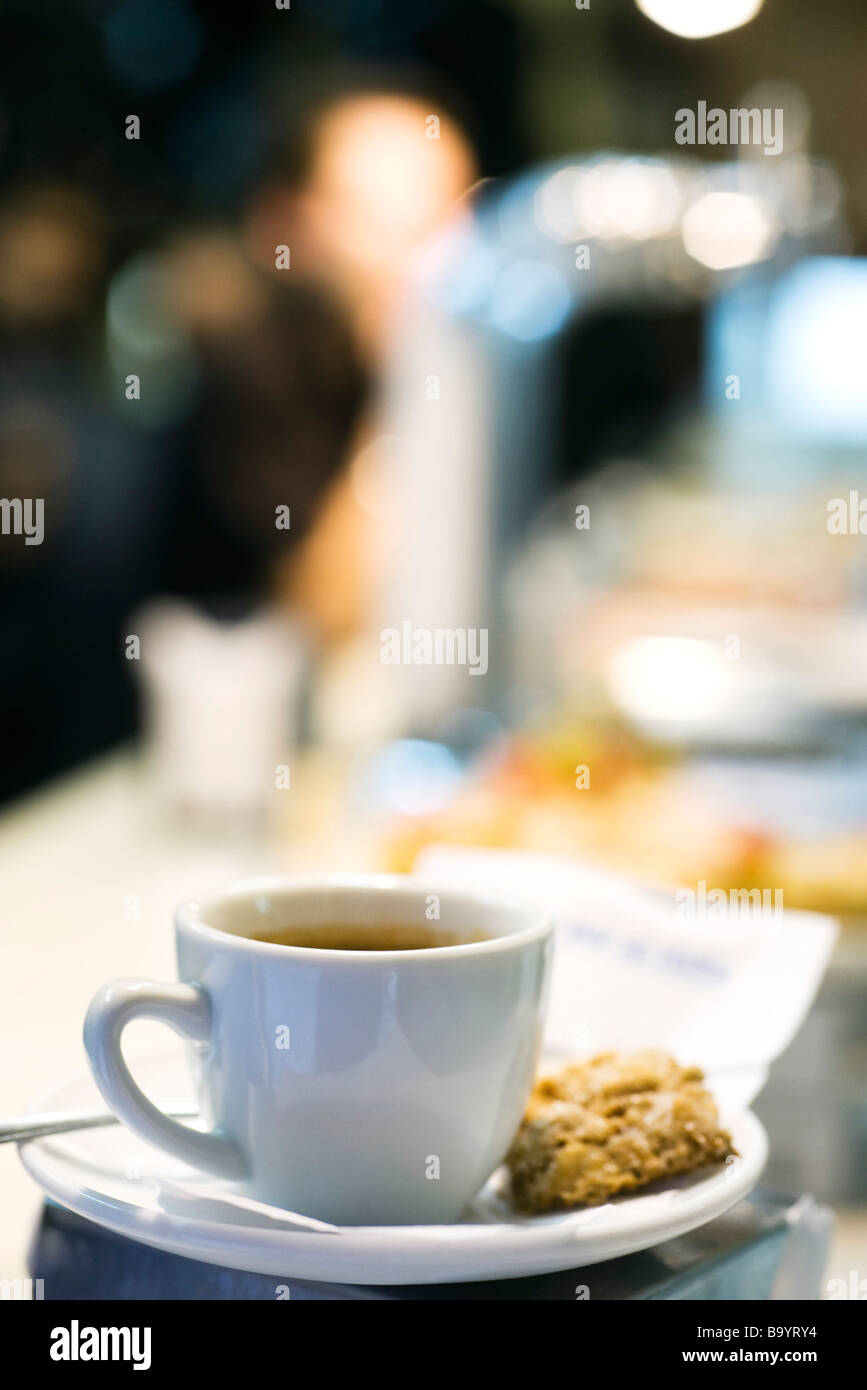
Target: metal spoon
(23,1127)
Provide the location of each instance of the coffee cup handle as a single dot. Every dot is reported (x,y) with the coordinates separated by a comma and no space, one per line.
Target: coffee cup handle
(186,1009)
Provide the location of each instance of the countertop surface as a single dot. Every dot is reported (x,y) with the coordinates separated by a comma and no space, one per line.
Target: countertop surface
(91,869)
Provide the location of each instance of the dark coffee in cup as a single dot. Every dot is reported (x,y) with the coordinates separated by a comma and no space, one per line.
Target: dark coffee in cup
(352,936)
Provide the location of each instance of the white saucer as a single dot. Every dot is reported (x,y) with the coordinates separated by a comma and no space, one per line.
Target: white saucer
(111,1177)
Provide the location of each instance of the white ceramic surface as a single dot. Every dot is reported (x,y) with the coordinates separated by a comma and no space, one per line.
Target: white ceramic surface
(111,1177)
(220,705)
(361,1087)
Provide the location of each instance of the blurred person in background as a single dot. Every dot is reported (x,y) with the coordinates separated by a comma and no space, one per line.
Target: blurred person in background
(188,509)
(146,497)
(184,502)
(355,192)
(378,172)
(280,388)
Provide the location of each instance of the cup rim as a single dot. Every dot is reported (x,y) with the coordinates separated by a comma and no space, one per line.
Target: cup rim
(188,917)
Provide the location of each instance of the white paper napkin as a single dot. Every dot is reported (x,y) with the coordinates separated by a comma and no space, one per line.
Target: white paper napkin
(632,971)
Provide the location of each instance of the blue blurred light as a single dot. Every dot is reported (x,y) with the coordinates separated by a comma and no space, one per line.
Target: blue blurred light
(153,44)
(816,353)
(798,343)
(467,280)
(141,340)
(529,300)
(410,777)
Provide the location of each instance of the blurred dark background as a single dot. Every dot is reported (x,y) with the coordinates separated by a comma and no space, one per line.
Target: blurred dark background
(253,390)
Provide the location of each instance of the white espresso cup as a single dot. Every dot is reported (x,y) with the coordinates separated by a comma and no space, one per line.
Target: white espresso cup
(359,1086)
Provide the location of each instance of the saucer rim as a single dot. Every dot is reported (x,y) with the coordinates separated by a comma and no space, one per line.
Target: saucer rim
(422,1254)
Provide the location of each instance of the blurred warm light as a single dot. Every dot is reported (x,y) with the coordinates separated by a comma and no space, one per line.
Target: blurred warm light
(369,473)
(771,95)
(615,198)
(385,175)
(211,286)
(382,183)
(725,230)
(671,679)
(556,214)
(51,252)
(698,19)
(630,197)
(809,194)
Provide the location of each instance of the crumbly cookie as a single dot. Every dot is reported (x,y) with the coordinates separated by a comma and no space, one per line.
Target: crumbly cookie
(610,1125)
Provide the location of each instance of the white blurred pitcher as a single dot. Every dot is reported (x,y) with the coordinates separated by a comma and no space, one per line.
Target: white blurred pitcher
(221,705)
